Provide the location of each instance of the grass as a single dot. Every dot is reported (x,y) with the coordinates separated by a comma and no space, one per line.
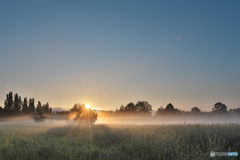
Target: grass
(117,142)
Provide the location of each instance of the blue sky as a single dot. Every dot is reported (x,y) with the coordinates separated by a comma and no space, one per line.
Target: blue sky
(108,53)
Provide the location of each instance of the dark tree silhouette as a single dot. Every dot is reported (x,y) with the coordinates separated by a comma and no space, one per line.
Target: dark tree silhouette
(25,106)
(8,104)
(168,110)
(144,107)
(83,114)
(31,105)
(122,108)
(39,107)
(38,116)
(130,107)
(50,110)
(195,110)
(2,111)
(235,111)
(46,108)
(219,108)
(160,111)
(17,104)
(170,107)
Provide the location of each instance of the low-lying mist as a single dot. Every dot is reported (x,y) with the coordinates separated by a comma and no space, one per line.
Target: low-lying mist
(139,120)
(61,120)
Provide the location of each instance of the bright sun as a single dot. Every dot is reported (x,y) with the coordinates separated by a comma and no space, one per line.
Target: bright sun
(87,105)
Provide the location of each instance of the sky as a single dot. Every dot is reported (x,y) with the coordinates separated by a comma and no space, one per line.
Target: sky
(109,53)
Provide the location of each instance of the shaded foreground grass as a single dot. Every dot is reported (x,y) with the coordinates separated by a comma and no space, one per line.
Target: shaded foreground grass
(118,142)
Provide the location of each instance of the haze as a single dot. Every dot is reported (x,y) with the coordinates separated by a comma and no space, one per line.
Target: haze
(109,53)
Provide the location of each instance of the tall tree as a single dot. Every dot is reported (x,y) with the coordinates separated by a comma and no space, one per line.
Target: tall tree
(17,104)
(39,107)
(8,104)
(46,108)
(31,105)
(50,110)
(25,106)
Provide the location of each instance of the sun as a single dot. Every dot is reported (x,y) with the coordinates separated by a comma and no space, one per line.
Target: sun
(87,105)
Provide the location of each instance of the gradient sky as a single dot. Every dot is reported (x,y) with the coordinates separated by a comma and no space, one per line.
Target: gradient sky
(108,53)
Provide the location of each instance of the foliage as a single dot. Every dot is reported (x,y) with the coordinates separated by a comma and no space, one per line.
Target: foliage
(235,111)
(141,107)
(17,104)
(130,107)
(124,142)
(83,114)
(38,117)
(39,107)
(168,110)
(144,107)
(31,105)
(195,110)
(25,106)
(8,104)
(220,108)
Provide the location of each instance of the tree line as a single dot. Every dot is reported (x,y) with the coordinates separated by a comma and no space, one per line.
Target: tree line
(13,105)
(146,108)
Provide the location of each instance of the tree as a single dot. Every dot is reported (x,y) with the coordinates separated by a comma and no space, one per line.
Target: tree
(235,111)
(25,106)
(121,108)
(219,108)
(130,107)
(38,115)
(83,114)
(50,110)
(8,104)
(160,111)
(144,107)
(45,108)
(39,107)
(195,110)
(168,110)
(2,111)
(17,104)
(170,107)
(31,105)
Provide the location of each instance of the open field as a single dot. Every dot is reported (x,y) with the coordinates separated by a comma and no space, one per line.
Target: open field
(29,140)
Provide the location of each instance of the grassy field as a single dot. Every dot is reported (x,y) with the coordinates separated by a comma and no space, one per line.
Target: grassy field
(29,141)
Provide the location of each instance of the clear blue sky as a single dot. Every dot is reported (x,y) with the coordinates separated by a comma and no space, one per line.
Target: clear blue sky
(108,53)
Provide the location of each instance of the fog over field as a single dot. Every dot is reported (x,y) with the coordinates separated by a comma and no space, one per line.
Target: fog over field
(118,137)
(136,120)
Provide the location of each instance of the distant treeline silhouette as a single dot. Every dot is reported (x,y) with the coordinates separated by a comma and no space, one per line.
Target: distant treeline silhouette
(145,108)
(141,107)
(15,106)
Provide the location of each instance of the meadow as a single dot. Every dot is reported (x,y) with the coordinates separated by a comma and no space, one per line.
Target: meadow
(61,141)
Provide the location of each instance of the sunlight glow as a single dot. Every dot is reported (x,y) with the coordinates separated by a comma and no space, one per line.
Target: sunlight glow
(87,105)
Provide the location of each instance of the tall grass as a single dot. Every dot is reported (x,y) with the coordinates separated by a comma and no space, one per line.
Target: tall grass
(118,142)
